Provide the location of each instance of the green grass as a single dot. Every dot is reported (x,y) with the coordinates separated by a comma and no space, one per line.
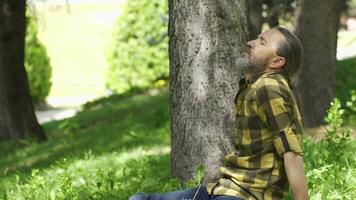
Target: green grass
(128,131)
(119,146)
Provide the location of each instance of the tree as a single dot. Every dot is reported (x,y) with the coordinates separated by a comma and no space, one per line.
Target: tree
(255,19)
(205,38)
(273,13)
(139,52)
(37,62)
(17,117)
(267,11)
(317,27)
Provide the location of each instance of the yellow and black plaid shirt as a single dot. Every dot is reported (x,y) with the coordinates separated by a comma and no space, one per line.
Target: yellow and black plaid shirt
(268,124)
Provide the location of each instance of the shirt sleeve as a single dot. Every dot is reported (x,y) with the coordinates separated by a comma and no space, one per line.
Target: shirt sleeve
(275,110)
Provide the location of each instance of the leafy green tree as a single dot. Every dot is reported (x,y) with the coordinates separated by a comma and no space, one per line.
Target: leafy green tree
(139,53)
(270,12)
(37,63)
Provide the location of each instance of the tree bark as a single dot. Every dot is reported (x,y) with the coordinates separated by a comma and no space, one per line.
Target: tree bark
(317,27)
(205,37)
(255,19)
(17,117)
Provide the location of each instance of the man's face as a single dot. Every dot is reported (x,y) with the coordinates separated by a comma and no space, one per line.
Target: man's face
(261,52)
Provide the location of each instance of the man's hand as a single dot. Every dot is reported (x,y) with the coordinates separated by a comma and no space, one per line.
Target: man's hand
(294,167)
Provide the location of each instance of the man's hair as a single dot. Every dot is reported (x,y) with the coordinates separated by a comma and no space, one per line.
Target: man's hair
(291,50)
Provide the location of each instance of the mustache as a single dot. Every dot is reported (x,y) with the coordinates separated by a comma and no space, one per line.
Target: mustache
(242,62)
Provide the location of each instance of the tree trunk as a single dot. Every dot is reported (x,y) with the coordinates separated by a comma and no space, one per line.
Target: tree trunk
(17,117)
(205,38)
(255,19)
(317,27)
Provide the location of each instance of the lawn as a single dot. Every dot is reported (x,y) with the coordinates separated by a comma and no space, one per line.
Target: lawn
(123,138)
(120,145)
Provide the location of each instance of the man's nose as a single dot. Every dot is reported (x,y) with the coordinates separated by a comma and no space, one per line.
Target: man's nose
(249,44)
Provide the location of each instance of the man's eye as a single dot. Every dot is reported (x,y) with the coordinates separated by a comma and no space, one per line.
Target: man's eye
(261,41)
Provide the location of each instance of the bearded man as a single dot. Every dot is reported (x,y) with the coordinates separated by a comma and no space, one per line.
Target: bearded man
(268,156)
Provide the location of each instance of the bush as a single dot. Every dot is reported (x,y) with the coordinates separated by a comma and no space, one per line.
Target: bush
(330,163)
(139,53)
(37,63)
(350,109)
(345,78)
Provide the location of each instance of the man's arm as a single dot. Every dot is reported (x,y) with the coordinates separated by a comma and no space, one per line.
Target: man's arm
(296,176)
(275,111)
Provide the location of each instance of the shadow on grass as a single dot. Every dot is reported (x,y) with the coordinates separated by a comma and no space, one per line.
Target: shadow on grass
(115,125)
(107,176)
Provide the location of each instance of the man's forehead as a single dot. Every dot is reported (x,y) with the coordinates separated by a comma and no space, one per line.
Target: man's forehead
(272,35)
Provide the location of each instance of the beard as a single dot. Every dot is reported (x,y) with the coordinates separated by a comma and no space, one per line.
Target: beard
(250,67)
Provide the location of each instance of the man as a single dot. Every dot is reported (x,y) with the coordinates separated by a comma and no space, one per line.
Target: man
(268,152)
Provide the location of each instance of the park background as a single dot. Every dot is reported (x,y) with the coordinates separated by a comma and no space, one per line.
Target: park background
(108,139)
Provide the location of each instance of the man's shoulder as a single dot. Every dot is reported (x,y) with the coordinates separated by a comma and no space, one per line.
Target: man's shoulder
(271,86)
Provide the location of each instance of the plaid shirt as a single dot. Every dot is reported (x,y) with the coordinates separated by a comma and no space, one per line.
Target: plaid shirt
(268,124)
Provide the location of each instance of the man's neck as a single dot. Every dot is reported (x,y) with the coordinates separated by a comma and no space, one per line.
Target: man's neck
(252,77)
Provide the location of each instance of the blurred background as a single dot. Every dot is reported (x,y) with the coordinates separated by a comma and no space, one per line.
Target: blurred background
(79,38)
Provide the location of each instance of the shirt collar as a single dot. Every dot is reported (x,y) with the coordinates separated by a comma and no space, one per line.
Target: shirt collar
(253,79)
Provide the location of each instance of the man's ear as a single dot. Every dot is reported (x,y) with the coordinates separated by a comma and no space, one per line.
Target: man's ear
(277,62)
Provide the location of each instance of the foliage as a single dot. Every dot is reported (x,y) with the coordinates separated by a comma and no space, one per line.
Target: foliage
(97,144)
(106,178)
(281,8)
(286,10)
(345,76)
(119,146)
(351,104)
(350,109)
(139,54)
(345,88)
(330,163)
(37,63)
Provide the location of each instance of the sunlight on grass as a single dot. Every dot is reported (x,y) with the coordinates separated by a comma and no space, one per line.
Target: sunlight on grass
(118,146)
(122,127)
(97,176)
